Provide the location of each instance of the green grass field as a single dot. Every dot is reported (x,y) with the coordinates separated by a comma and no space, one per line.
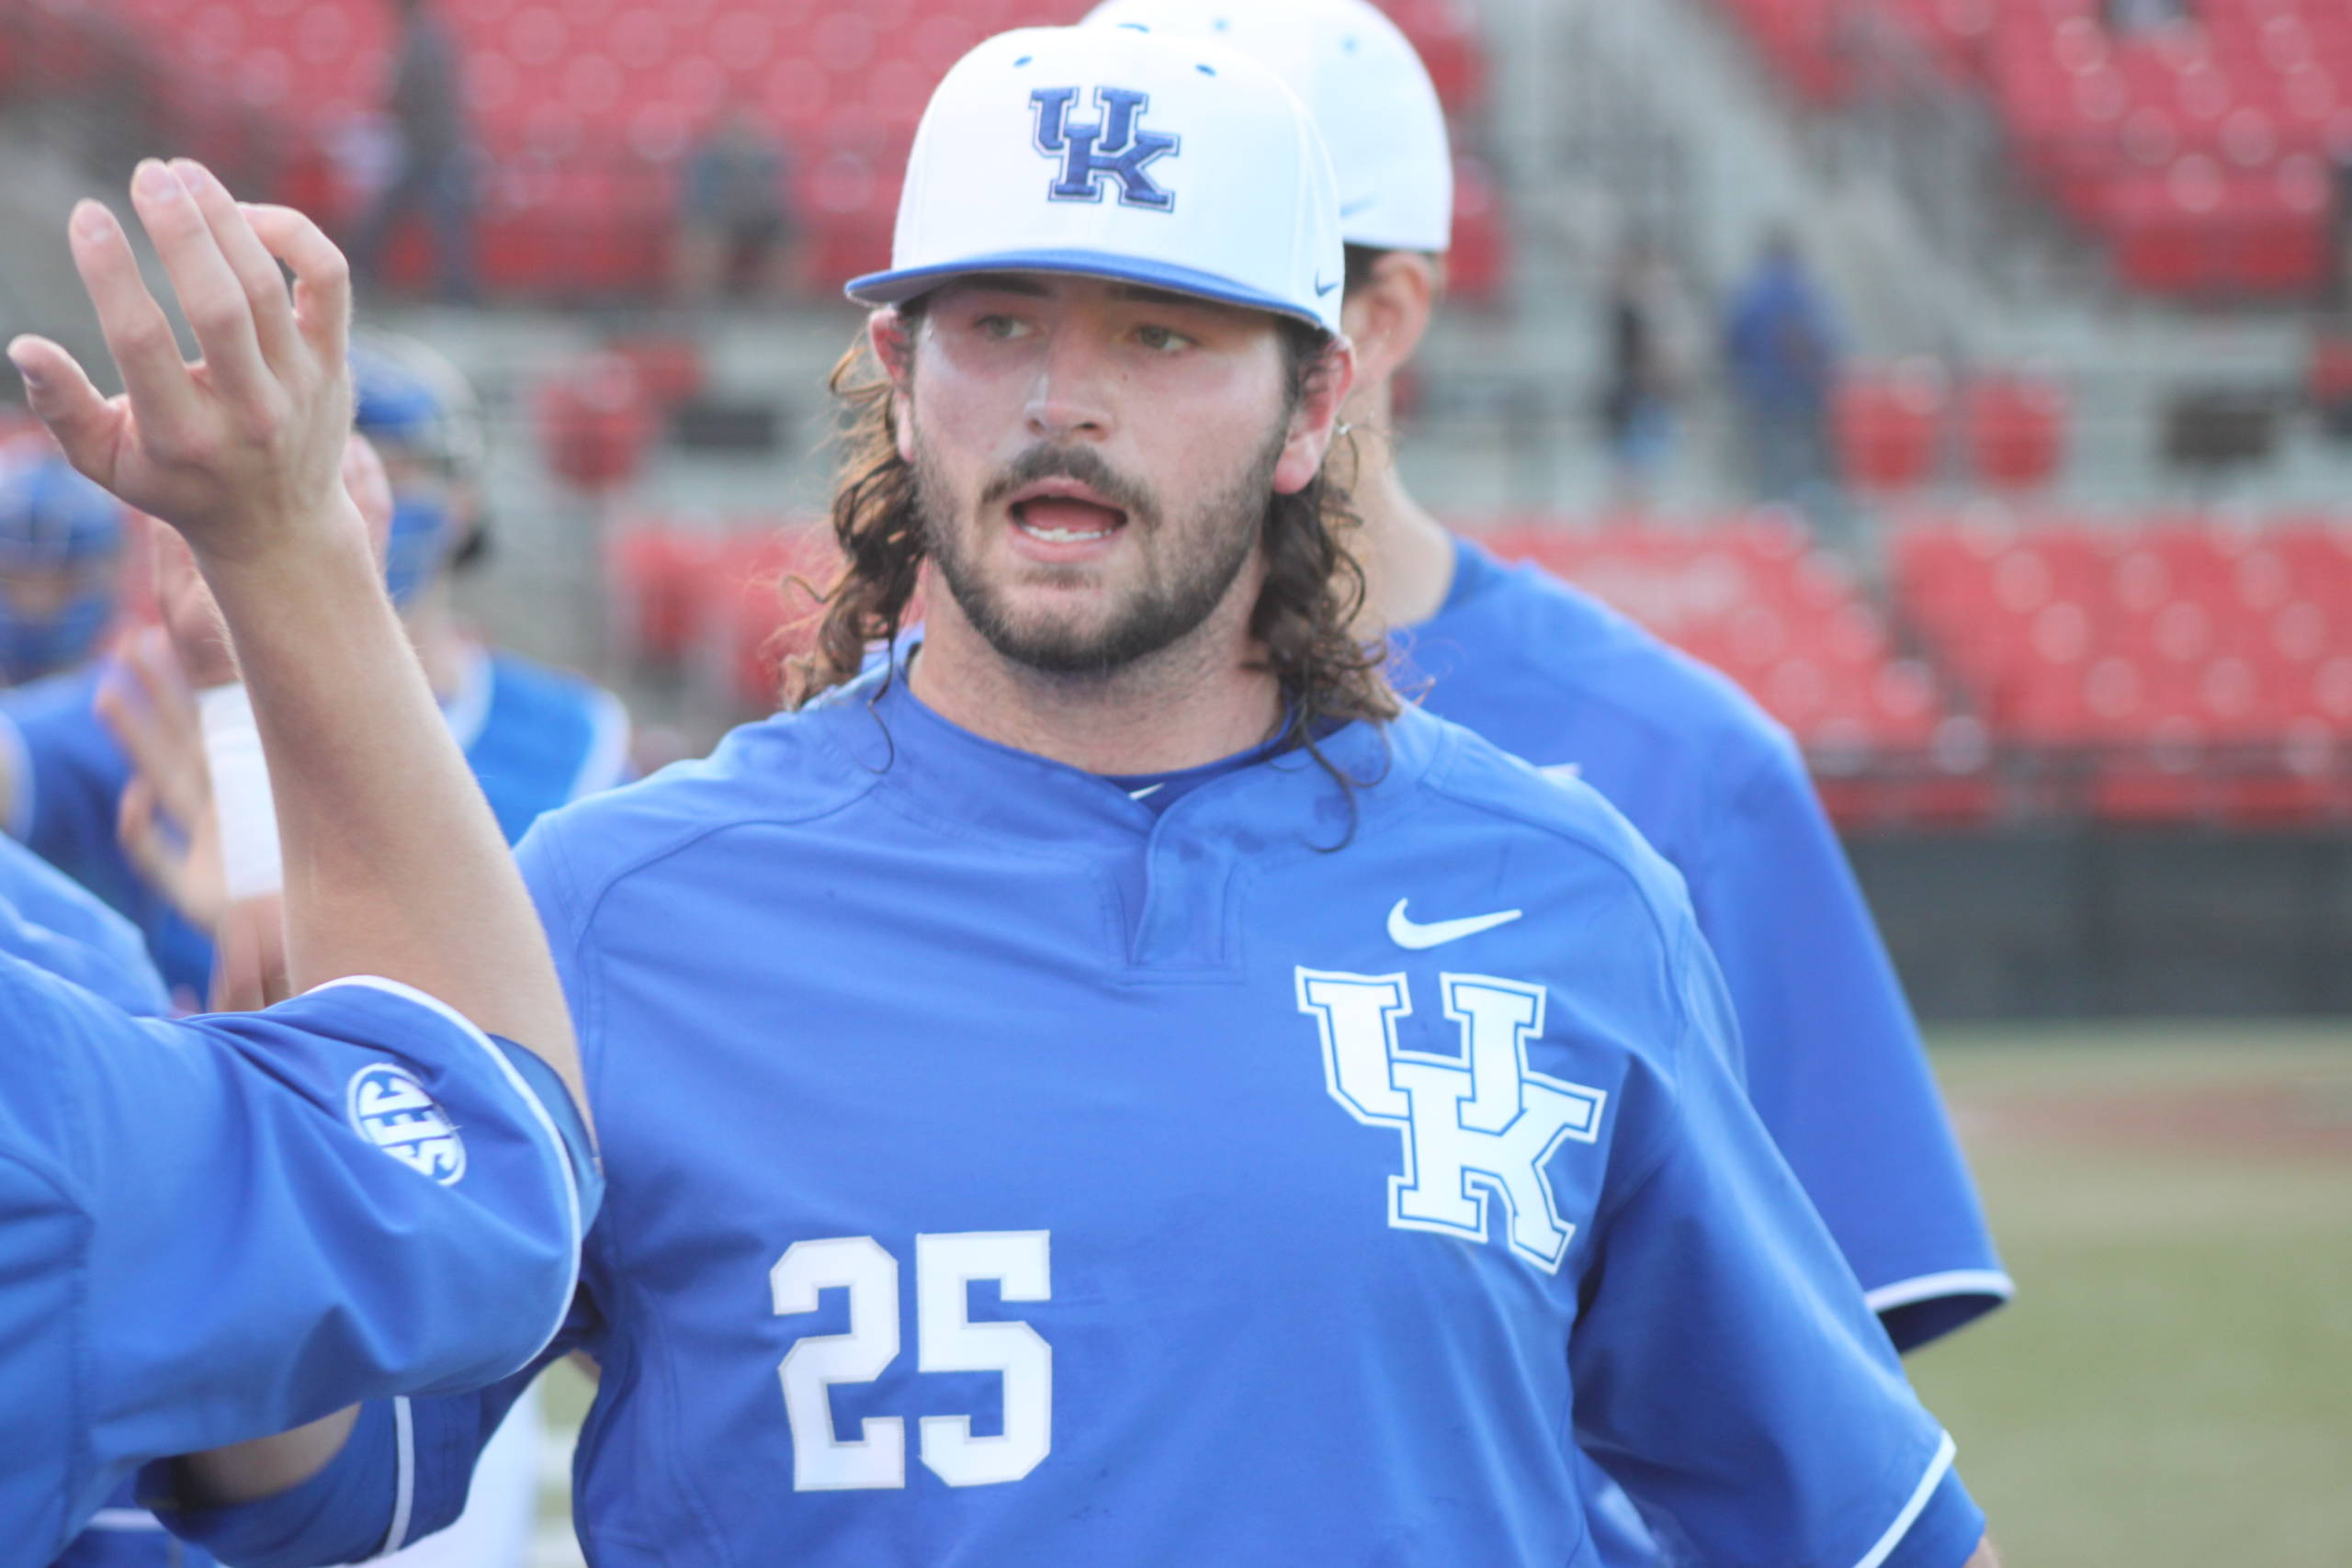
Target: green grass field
(2173,1387)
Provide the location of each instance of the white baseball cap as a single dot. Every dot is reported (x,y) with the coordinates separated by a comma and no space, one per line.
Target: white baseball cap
(1367,89)
(1112,154)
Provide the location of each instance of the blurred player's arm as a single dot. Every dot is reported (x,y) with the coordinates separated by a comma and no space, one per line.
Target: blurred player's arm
(1711,1272)
(1831,1047)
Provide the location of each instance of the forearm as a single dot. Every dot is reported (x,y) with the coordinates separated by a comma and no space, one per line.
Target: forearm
(394,864)
(1984,1557)
(244,1472)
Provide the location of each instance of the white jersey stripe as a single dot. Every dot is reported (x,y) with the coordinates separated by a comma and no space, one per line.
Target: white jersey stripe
(1945,1450)
(1954,1283)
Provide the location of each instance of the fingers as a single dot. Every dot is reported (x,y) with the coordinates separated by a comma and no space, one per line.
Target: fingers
(161,387)
(150,846)
(250,960)
(211,296)
(87,426)
(321,277)
(160,732)
(255,269)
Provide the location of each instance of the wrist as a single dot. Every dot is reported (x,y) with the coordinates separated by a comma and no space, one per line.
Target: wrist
(324,556)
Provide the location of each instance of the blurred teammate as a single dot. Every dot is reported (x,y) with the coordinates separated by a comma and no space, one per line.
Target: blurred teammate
(222,1227)
(536,738)
(1834,1062)
(1107,1086)
(60,558)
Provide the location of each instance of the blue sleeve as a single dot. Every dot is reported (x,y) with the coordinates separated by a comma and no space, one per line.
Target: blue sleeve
(1834,1060)
(64,929)
(403,1475)
(1726,1372)
(120,976)
(373,1196)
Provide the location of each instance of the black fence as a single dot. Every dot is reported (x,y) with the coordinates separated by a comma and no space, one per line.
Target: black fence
(2072,920)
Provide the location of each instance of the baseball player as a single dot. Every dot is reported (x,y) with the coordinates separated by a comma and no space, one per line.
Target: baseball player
(1109,1086)
(61,549)
(537,738)
(1834,1061)
(224,1227)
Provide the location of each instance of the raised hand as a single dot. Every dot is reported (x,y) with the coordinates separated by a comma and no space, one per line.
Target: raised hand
(240,451)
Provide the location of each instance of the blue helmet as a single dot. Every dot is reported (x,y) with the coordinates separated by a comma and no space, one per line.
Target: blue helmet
(54,521)
(410,400)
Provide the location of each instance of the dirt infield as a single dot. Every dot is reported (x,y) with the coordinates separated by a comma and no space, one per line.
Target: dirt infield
(2312,1122)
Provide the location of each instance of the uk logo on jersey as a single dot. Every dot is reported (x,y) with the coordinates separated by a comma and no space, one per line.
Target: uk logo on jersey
(1478,1126)
(1114,147)
(391,1110)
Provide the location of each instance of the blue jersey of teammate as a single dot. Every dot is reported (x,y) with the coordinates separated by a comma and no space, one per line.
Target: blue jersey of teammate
(1834,1062)
(51,922)
(536,738)
(1006,1170)
(226,1226)
(68,774)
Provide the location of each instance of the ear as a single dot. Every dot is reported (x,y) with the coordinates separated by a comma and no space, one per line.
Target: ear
(892,341)
(1386,315)
(1317,419)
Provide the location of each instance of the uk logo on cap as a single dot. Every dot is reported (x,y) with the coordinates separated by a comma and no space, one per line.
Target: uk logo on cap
(1114,146)
(1107,153)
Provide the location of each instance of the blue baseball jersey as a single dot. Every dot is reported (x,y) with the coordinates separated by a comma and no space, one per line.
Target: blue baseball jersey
(68,774)
(51,922)
(536,738)
(220,1228)
(1005,1171)
(1834,1061)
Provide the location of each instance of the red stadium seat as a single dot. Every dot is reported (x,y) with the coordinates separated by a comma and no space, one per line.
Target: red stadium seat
(1888,425)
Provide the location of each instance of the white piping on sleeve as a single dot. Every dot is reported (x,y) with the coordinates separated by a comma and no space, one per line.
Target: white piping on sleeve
(126,1521)
(1952,1282)
(554,1140)
(1912,1509)
(404,1486)
(17,763)
(607,746)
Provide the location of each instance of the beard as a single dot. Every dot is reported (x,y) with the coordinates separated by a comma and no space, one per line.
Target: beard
(1190,563)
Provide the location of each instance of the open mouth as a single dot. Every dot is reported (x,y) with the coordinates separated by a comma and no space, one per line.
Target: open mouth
(1065,511)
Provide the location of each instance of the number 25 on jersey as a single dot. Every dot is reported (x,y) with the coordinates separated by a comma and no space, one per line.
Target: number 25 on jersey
(946,1341)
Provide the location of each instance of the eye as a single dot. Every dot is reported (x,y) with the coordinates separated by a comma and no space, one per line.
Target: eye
(1163,340)
(1000,328)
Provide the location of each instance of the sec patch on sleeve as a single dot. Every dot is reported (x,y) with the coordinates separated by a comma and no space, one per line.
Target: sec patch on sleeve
(390,1110)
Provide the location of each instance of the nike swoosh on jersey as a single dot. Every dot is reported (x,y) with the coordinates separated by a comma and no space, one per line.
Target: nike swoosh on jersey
(1410,933)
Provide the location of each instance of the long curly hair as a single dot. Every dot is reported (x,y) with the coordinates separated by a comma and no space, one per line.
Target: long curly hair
(1303,619)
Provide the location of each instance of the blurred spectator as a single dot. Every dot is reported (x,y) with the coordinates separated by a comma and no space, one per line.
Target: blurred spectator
(735,225)
(1780,345)
(2143,16)
(434,170)
(1644,369)
(61,553)
(2339,225)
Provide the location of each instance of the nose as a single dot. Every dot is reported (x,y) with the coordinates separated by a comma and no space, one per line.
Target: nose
(1070,398)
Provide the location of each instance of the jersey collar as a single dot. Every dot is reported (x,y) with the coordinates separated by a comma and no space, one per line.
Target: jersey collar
(948,773)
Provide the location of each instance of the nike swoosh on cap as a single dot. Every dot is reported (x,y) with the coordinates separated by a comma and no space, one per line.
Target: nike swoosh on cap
(1411,933)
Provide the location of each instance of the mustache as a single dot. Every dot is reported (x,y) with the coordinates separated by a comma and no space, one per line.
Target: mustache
(1081,463)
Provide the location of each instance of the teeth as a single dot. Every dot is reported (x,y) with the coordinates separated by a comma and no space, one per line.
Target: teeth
(1064,536)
